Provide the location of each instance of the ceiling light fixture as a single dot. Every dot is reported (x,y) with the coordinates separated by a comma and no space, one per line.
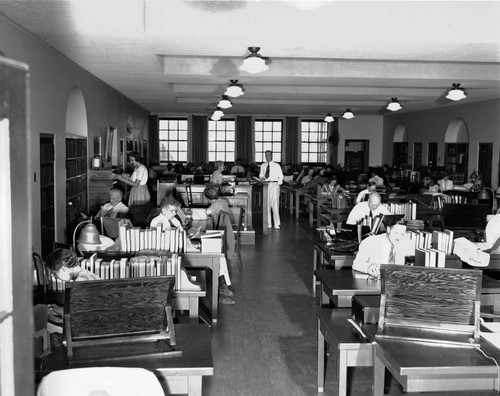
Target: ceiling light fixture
(234,90)
(224,103)
(394,105)
(254,63)
(456,93)
(218,113)
(328,118)
(214,118)
(348,114)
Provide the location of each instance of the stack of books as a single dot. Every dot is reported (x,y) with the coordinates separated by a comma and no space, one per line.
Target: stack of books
(431,248)
(133,239)
(408,210)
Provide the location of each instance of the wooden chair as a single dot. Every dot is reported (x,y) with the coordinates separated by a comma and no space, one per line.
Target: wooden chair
(430,304)
(119,319)
(41,280)
(189,198)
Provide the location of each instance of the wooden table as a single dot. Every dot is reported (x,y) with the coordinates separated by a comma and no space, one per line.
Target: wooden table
(188,300)
(178,375)
(426,367)
(349,349)
(294,193)
(340,286)
(338,260)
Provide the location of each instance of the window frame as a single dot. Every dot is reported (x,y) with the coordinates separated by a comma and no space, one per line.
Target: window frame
(305,157)
(275,145)
(224,154)
(176,141)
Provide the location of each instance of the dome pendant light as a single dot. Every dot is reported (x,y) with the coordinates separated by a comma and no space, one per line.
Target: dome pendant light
(394,105)
(456,93)
(328,118)
(234,90)
(218,113)
(348,114)
(254,63)
(225,103)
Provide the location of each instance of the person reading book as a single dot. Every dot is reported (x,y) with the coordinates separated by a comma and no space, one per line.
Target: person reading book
(370,208)
(167,217)
(392,247)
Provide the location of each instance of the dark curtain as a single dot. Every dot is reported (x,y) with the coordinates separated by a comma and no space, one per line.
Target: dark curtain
(153,141)
(200,139)
(291,140)
(244,141)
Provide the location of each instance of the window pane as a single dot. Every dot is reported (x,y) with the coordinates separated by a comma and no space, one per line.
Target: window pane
(268,126)
(221,135)
(183,125)
(258,136)
(230,147)
(183,146)
(267,146)
(211,156)
(211,136)
(277,137)
(211,146)
(268,137)
(230,136)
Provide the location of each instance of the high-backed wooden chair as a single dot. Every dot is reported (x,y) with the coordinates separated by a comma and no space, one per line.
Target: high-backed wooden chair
(430,304)
(189,198)
(119,319)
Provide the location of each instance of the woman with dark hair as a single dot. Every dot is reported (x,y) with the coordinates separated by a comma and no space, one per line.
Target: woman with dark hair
(139,193)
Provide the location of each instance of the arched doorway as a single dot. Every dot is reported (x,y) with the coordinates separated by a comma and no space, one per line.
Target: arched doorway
(76,159)
(457,150)
(400,147)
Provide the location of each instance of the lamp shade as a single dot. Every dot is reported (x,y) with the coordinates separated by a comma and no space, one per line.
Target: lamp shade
(348,114)
(328,118)
(90,235)
(456,93)
(394,105)
(225,103)
(234,90)
(218,113)
(254,63)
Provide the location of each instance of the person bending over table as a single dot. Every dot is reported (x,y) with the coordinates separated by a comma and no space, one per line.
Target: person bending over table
(63,264)
(391,247)
(371,188)
(271,172)
(365,209)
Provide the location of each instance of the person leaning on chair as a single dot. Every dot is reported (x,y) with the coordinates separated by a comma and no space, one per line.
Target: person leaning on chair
(271,172)
(391,247)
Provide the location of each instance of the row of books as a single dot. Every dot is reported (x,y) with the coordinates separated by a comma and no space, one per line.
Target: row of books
(409,210)
(133,239)
(442,199)
(135,267)
(429,257)
(439,240)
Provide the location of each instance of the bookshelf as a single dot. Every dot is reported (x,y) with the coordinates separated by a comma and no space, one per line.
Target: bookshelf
(76,180)
(47,213)
(457,157)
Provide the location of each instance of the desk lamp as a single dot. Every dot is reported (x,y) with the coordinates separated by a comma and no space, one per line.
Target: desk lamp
(485,195)
(88,235)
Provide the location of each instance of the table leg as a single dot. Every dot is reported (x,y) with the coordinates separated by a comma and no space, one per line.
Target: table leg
(194,385)
(315,267)
(342,372)
(290,197)
(215,288)
(193,309)
(321,360)
(323,300)
(378,374)
(297,205)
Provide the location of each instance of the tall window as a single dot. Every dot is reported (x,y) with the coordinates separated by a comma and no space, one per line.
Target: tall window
(221,145)
(268,137)
(173,139)
(314,141)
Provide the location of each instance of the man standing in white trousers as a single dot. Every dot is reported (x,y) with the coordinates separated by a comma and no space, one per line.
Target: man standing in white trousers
(271,172)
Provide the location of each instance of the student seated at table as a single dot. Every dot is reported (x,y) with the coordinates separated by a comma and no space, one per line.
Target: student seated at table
(370,208)
(64,265)
(238,169)
(216,177)
(445,183)
(363,194)
(333,187)
(392,247)
(111,212)
(167,217)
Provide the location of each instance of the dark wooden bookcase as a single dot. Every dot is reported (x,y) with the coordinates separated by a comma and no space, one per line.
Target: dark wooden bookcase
(47,192)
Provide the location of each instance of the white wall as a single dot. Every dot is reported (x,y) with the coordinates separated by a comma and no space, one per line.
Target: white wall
(362,128)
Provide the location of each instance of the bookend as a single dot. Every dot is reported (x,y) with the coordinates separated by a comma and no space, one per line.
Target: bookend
(119,319)
(439,305)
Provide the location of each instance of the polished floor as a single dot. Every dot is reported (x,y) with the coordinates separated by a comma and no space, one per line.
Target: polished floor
(266,344)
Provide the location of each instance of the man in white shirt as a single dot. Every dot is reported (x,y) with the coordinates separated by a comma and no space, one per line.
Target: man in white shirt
(115,207)
(445,183)
(237,168)
(363,209)
(389,248)
(492,234)
(271,172)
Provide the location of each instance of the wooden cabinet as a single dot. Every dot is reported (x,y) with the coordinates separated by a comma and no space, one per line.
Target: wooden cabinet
(76,181)
(47,214)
